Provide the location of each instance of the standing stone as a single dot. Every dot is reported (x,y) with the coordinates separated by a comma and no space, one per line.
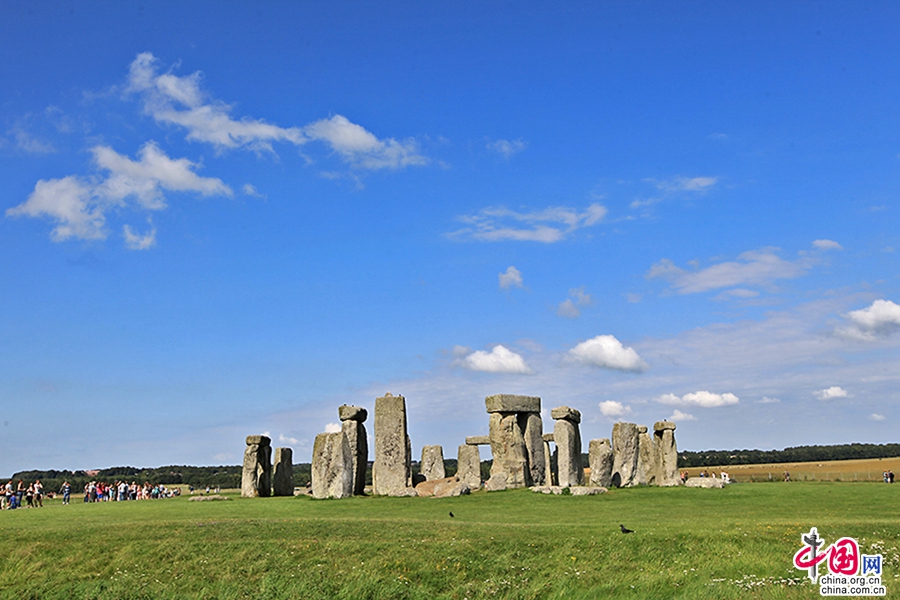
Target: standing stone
(625,454)
(432,465)
(510,457)
(647,467)
(352,418)
(567,436)
(600,456)
(666,453)
(550,473)
(534,445)
(256,476)
(332,466)
(283,473)
(468,461)
(391,470)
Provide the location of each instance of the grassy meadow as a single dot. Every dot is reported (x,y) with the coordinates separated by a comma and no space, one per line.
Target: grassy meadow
(864,469)
(688,543)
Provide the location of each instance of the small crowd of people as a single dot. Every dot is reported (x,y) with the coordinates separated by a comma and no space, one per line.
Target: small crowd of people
(888,476)
(120,491)
(21,495)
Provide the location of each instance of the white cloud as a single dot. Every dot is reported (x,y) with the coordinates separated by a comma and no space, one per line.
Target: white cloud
(26,142)
(494,224)
(607,352)
(611,408)
(768,400)
(677,415)
(511,278)
(499,360)
(569,308)
(879,319)
(180,101)
(248,189)
(287,440)
(136,241)
(702,399)
(79,205)
(507,147)
(687,184)
(756,267)
(832,393)
(876,417)
(827,245)
(333,428)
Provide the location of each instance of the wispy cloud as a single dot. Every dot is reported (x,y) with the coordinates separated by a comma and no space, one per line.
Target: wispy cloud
(606,352)
(26,142)
(135,241)
(827,245)
(512,277)
(507,148)
(879,319)
(570,307)
(702,399)
(499,360)
(180,101)
(553,224)
(79,205)
(876,417)
(686,184)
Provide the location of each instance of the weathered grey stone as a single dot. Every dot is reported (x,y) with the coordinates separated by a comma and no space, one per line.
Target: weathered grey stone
(564,412)
(666,453)
(497,483)
(432,465)
(359,452)
(550,473)
(600,457)
(403,493)
(534,446)
(704,482)
(468,461)
(625,454)
(390,470)
(647,468)
(547,489)
(347,412)
(332,466)
(567,436)
(510,456)
(511,403)
(256,475)
(587,490)
(478,440)
(548,437)
(283,472)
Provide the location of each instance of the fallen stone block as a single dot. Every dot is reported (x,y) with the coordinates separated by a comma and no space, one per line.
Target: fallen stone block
(587,490)
(403,493)
(704,482)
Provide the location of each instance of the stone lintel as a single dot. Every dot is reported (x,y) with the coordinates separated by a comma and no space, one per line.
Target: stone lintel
(259,440)
(478,440)
(352,413)
(512,403)
(663,425)
(548,437)
(566,413)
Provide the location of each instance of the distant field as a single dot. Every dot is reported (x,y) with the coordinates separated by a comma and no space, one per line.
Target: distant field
(867,469)
(688,543)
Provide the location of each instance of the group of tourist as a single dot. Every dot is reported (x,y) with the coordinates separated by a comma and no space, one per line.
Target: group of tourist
(19,495)
(888,476)
(119,491)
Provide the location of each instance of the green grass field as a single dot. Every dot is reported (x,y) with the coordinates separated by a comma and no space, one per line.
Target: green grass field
(688,543)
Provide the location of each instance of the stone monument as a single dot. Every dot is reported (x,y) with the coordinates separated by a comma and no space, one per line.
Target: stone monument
(256,476)
(567,436)
(352,419)
(283,473)
(391,470)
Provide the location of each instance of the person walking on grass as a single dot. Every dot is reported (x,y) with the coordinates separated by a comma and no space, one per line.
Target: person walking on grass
(38,494)
(66,491)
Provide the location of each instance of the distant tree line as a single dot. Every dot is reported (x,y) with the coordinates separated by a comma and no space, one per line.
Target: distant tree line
(709,458)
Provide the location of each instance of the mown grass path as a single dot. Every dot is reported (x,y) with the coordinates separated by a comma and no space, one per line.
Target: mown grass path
(688,543)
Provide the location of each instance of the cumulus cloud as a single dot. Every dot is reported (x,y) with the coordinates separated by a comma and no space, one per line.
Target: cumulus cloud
(606,352)
(79,205)
(553,224)
(512,277)
(754,268)
(333,428)
(827,245)
(611,408)
(569,308)
(702,399)
(507,148)
(832,393)
(499,360)
(876,417)
(180,101)
(879,319)
(677,415)
(287,440)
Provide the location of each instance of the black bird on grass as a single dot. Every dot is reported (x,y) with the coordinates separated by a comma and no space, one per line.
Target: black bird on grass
(625,529)
(451,514)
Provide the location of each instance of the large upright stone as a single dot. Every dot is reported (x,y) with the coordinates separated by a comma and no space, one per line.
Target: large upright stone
(510,456)
(283,472)
(666,453)
(256,476)
(359,451)
(512,403)
(600,456)
(332,466)
(647,467)
(625,454)
(468,469)
(432,465)
(567,436)
(391,470)
(534,445)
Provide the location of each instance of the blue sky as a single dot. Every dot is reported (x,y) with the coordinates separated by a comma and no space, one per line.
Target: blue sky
(228,219)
